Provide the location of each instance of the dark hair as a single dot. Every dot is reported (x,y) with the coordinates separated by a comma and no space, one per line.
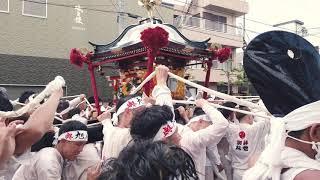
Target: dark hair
(149,160)
(25,95)
(241,115)
(73,112)
(62,106)
(198,111)
(72,126)
(124,99)
(5,104)
(45,141)
(226,113)
(92,101)
(147,122)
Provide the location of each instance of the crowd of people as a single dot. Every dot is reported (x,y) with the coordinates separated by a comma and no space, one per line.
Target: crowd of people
(150,138)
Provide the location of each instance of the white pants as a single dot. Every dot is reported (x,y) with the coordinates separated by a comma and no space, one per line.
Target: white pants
(209,173)
(238,174)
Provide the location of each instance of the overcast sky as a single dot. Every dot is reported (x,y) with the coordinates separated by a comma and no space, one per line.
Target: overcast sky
(277,11)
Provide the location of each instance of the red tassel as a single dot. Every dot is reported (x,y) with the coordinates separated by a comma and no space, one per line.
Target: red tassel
(77,58)
(223,54)
(155,38)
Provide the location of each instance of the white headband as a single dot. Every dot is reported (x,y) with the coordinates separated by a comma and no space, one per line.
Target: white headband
(130,104)
(200,117)
(270,163)
(74,136)
(166,130)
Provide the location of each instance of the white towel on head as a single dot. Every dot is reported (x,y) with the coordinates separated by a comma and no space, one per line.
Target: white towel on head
(270,162)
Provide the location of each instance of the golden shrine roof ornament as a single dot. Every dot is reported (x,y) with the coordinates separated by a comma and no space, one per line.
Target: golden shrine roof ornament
(149,5)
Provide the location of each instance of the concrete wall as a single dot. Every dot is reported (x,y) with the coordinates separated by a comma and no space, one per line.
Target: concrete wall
(54,36)
(39,71)
(34,50)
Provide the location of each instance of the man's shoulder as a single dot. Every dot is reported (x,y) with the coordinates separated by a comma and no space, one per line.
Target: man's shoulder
(48,153)
(308,174)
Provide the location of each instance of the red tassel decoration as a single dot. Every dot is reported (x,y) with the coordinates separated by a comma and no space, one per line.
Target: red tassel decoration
(223,54)
(77,58)
(154,38)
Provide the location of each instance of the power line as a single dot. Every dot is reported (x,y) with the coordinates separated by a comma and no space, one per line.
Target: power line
(116,7)
(159,14)
(236,27)
(212,34)
(230,25)
(133,15)
(266,24)
(314,28)
(89,9)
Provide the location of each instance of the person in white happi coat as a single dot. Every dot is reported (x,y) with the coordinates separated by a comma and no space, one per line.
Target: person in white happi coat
(293,151)
(214,166)
(16,141)
(245,141)
(90,157)
(198,122)
(49,162)
(157,123)
(116,132)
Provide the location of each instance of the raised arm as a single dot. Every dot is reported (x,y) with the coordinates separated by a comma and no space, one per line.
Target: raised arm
(38,124)
(161,92)
(213,133)
(7,140)
(74,102)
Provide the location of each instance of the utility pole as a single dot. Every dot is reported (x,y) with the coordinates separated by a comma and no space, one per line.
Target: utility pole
(244,33)
(185,17)
(121,15)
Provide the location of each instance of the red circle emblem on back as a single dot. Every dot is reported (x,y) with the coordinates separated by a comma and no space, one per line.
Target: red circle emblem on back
(242,134)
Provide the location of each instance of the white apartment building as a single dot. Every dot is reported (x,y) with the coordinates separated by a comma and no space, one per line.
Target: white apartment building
(215,19)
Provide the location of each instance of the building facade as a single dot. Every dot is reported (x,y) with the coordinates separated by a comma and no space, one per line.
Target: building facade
(36,37)
(215,19)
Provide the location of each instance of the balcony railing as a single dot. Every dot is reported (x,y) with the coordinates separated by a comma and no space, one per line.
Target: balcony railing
(206,24)
(215,26)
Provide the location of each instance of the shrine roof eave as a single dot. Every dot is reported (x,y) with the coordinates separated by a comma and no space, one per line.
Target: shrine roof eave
(131,35)
(166,51)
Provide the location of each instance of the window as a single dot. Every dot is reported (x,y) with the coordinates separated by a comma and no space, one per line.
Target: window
(215,22)
(35,8)
(4,6)
(193,20)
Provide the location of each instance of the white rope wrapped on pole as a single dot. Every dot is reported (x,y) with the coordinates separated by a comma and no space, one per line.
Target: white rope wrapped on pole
(16,102)
(223,107)
(218,94)
(54,85)
(57,118)
(144,82)
(81,103)
(67,97)
(88,103)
